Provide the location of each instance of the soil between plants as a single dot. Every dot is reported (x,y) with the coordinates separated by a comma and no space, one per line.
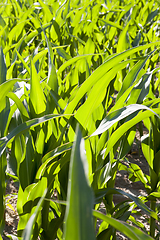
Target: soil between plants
(122,182)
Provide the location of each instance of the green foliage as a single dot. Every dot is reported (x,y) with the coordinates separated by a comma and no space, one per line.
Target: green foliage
(90,64)
(80,196)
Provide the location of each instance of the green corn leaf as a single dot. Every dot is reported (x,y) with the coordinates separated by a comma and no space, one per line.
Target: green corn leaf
(113,24)
(2,22)
(152,15)
(100,72)
(27,234)
(62,52)
(5,108)
(2,209)
(24,127)
(22,60)
(39,55)
(52,76)
(138,173)
(48,159)
(46,11)
(66,9)
(131,76)
(16,155)
(31,193)
(27,203)
(97,94)
(6,87)
(36,32)
(141,90)
(27,166)
(59,150)
(5,105)
(100,193)
(154,194)
(19,104)
(123,42)
(106,174)
(37,98)
(126,126)
(3,69)
(156,164)
(17,8)
(40,140)
(44,52)
(78,220)
(74,60)
(119,115)
(130,231)
(126,142)
(15,32)
(147,149)
(14,57)
(13,110)
(3,166)
(79,27)
(57,99)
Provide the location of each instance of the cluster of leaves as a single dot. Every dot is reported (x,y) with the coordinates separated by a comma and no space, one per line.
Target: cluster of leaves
(90,64)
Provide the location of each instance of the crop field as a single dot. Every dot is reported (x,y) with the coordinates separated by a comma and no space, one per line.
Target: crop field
(78,80)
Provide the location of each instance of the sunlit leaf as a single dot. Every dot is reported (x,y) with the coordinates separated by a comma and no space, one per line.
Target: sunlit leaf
(24,127)
(118,115)
(78,220)
(130,231)
(27,234)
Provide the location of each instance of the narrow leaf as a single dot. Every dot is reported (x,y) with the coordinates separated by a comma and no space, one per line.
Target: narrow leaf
(130,231)
(100,193)
(78,220)
(52,76)
(119,115)
(27,234)
(37,99)
(3,69)
(100,72)
(22,128)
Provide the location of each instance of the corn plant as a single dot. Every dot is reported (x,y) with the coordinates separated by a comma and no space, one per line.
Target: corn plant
(87,64)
